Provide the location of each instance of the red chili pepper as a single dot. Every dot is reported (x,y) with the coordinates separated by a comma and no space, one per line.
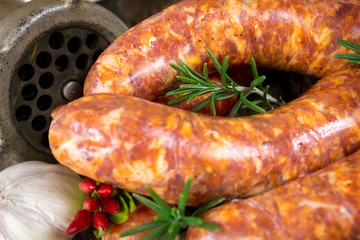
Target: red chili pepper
(87,185)
(80,222)
(109,205)
(101,221)
(90,204)
(104,190)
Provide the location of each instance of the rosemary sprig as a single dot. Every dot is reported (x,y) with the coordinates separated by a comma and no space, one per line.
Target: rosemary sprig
(351,57)
(197,84)
(168,223)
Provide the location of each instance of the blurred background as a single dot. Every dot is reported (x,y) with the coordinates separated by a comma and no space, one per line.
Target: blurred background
(134,11)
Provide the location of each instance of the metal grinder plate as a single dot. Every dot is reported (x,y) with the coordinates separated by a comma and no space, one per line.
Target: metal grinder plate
(46,50)
(51,74)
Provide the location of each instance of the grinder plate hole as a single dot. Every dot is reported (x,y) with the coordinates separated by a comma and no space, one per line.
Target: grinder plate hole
(44,102)
(29,92)
(82,61)
(43,60)
(26,72)
(39,123)
(56,40)
(46,80)
(61,63)
(74,44)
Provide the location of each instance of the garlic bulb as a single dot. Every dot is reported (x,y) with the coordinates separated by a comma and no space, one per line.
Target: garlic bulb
(38,201)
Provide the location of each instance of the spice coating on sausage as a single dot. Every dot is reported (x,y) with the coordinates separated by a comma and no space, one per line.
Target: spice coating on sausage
(289,35)
(322,205)
(132,142)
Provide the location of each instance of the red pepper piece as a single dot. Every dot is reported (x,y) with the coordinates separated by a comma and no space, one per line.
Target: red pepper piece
(87,185)
(80,222)
(109,205)
(104,190)
(90,204)
(101,221)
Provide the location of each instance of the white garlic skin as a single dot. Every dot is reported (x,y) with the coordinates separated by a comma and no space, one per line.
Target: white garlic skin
(38,201)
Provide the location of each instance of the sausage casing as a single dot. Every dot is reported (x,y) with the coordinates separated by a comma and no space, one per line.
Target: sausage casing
(290,35)
(321,205)
(133,143)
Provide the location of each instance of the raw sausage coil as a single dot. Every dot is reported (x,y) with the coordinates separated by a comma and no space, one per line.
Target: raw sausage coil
(289,35)
(322,205)
(132,142)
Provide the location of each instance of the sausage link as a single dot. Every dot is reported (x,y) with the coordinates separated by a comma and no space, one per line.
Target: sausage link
(133,143)
(289,35)
(322,205)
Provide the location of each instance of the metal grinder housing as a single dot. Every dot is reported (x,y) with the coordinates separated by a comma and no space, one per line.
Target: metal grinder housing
(46,50)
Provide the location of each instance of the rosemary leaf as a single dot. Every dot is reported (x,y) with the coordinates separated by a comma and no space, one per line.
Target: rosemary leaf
(142,228)
(195,86)
(192,72)
(209,226)
(348,56)
(186,79)
(223,72)
(214,61)
(164,217)
(173,226)
(158,200)
(235,108)
(199,93)
(354,61)
(222,95)
(180,99)
(206,75)
(350,45)
(191,221)
(254,68)
(251,105)
(207,206)
(217,64)
(212,104)
(201,105)
(178,69)
(257,81)
(255,73)
(266,91)
(157,233)
(179,91)
(150,204)
(172,235)
(184,196)
(256,101)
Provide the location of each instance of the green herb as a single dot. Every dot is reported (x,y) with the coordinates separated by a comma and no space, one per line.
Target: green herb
(197,84)
(170,220)
(351,57)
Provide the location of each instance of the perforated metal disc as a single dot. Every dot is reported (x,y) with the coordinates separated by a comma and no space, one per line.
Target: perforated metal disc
(51,74)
